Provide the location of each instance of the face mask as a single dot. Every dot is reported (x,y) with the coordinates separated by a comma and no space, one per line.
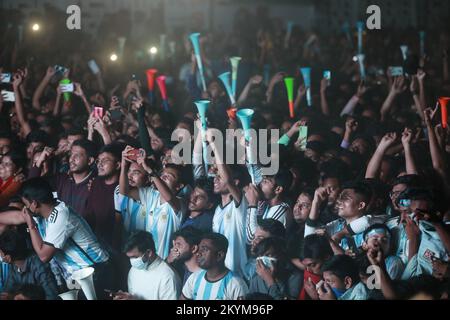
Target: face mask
(138,263)
(338,292)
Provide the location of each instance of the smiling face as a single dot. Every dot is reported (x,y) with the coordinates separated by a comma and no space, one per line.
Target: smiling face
(220,187)
(348,204)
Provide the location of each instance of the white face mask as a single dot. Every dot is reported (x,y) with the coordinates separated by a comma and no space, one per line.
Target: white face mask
(138,263)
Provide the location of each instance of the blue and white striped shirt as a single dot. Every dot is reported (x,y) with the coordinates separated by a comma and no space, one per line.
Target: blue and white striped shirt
(133,213)
(68,232)
(230,287)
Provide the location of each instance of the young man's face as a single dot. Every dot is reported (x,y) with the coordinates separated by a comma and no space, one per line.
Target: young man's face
(420,208)
(302,208)
(313,265)
(268,187)
(260,235)
(137,177)
(207,256)
(107,165)
(33,147)
(348,204)
(395,192)
(171,177)
(78,160)
(333,281)
(198,200)
(379,240)
(220,187)
(359,146)
(183,248)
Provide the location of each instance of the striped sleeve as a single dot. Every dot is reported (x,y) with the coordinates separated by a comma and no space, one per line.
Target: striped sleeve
(252,223)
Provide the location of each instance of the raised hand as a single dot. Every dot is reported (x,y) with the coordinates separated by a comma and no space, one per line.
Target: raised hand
(78,90)
(17,80)
(387,140)
(321,194)
(399,85)
(252,195)
(351,125)
(50,72)
(407,136)
(255,80)
(362,89)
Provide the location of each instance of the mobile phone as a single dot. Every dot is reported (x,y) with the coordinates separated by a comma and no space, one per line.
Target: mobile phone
(327,75)
(98,112)
(133,154)
(303,137)
(67,87)
(8,96)
(396,71)
(93,66)
(5,77)
(267,261)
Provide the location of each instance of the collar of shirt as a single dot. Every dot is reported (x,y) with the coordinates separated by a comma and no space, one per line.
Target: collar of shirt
(26,266)
(154,264)
(90,174)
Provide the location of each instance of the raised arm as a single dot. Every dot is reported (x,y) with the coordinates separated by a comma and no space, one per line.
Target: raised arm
(255,80)
(436,154)
(124,186)
(374,165)
(422,96)
(223,170)
(57,108)
(312,223)
(25,126)
(278,77)
(80,93)
(351,125)
(397,87)
(300,94)
(353,102)
(162,187)
(409,159)
(40,89)
(323,97)
(376,259)
(13,217)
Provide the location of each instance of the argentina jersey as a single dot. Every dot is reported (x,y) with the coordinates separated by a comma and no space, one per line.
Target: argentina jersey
(133,213)
(230,287)
(230,221)
(68,232)
(162,220)
(280,212)
(4,274)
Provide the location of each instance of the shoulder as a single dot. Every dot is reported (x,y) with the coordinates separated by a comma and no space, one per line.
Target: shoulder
(60,212)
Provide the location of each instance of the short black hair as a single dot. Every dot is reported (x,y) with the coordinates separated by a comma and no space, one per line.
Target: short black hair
(411,180)
(283,178)
(207,186)
(75,132)
(342,266)
(115,149)
(190,234)
(13,243)
(219,241)
(38,136)
(272,226)
(361,188)
(316,247)
(37,189)
(88,146)
(141,240)
(182,172)
(31,291)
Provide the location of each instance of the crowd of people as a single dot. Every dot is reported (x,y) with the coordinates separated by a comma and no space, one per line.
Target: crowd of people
(360,213)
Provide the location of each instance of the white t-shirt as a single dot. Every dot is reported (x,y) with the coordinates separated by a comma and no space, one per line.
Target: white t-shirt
(69,233)
(157,282)
(230,221)
(162,220)
(230,287)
